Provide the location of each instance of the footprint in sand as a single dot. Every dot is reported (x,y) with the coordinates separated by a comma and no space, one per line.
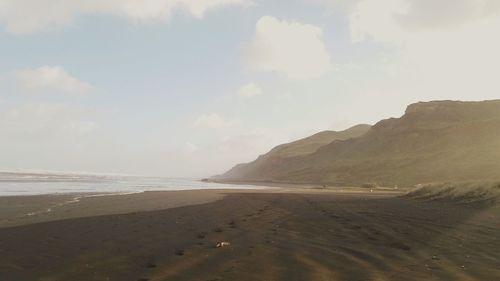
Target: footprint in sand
(356,227)
(232,224)
(400,246)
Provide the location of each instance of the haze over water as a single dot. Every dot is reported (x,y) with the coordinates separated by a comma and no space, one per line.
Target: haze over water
(27,183)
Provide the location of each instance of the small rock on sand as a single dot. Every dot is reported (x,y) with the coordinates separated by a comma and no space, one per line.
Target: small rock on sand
(223,244)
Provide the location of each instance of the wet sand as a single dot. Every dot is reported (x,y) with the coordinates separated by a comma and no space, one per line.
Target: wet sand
(19,210)
(274,235)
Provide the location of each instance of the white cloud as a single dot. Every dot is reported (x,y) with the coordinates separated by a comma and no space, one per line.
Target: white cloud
(250,90)
(398,20)
(50,78)
(40,121)
(423,14)
(335,6)
(190,148)
(214,121)
(223,153)
(27,16)
(442,50)
(249,145)
(52,136)
(376,20)
(288,47)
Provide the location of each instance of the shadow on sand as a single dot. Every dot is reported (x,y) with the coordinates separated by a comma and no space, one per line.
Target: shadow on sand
(273,237)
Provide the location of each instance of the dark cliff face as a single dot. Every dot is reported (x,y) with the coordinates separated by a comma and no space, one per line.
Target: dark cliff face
(432,142)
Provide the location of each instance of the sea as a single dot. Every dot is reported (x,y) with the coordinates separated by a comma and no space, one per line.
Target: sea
(37,183)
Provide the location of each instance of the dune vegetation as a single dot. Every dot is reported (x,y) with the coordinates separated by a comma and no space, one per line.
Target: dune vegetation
(465,192)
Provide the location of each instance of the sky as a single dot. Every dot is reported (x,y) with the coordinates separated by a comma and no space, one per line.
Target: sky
(189,88)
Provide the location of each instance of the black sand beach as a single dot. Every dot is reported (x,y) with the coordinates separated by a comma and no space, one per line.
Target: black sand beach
(273,235)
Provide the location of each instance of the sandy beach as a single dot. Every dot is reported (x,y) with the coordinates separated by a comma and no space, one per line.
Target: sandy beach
(278,234)
(19,210)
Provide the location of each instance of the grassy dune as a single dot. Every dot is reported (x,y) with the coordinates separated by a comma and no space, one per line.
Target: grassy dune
(467,192)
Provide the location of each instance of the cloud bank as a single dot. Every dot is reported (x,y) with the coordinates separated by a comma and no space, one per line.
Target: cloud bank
(289,47)
(214,121)
(250,90)
(442,49)
(50,78)
(28,16)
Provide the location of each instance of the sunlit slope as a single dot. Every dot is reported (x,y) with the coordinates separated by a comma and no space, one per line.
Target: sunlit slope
(281,154)
(432,142)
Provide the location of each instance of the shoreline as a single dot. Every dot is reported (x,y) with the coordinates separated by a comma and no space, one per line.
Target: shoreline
(238,186)
(29,209)
(77,197)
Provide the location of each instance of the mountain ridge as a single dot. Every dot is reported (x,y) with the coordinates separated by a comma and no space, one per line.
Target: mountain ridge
(432,142)
(298,148)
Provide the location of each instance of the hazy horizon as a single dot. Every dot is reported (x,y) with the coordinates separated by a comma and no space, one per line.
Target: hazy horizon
(190,88)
